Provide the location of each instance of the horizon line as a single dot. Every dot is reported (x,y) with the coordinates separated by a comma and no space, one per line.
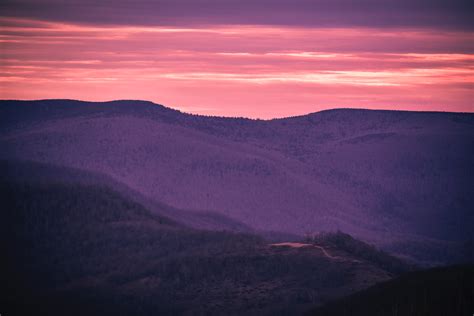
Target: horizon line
(238,117)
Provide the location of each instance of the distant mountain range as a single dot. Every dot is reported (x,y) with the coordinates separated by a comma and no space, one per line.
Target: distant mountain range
(400,180)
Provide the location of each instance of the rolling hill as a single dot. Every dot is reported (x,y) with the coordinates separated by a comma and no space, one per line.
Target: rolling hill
(79,248)
(400,180)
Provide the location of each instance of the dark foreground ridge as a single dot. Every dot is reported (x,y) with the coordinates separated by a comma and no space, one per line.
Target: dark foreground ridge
(85,249)
(438,292)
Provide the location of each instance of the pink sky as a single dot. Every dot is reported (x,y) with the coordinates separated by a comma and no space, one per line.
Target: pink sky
(255,71)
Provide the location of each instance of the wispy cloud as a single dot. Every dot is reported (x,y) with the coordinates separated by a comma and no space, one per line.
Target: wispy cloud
(264,71)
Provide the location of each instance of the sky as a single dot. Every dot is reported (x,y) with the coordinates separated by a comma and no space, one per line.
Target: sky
(251,58)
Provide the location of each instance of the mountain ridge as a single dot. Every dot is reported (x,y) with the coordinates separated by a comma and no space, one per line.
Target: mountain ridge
(76,247)
(379,175)
(147,102)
